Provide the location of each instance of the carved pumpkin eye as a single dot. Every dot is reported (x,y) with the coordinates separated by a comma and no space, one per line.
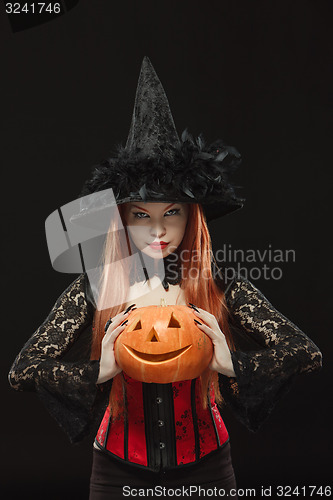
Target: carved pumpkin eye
(173,323)
(137,326)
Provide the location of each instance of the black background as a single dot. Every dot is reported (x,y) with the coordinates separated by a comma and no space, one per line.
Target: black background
(256,73)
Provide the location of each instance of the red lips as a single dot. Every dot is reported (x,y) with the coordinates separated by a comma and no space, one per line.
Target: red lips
(159,245)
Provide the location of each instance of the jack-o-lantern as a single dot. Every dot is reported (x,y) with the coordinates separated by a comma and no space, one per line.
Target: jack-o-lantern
(163,344)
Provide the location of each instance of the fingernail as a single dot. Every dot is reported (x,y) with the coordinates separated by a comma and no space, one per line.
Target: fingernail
(129,307)
(107,324)
(126,321)
(193,307)
(196,321)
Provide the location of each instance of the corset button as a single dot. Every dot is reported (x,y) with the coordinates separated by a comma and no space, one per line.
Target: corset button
(162,445)
(159,400)
(160,423)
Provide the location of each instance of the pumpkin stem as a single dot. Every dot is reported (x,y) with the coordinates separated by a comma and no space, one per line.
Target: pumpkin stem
(163,303)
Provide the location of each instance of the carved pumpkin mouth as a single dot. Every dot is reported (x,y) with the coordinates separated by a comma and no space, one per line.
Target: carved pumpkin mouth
(156,358)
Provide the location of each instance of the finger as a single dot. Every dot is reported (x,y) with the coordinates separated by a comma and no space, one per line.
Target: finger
(107,324)
(202,326)
(114,334)
(210,332)
(129,308)
(116,321)
(123,316)
(209,319)
(201,311)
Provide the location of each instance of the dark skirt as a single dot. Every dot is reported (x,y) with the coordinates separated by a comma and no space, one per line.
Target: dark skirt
(112,479)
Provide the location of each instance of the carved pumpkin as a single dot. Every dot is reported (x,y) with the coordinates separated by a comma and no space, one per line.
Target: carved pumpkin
(163,344)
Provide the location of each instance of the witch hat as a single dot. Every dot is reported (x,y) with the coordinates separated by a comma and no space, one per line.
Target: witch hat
(156,166)
(152,133)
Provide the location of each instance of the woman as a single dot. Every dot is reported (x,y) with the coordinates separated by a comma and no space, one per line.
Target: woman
(158,247)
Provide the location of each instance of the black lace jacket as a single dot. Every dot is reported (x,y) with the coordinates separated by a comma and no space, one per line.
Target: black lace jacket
(67,386)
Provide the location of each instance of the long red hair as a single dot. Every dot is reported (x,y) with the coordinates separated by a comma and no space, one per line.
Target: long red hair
(197,283)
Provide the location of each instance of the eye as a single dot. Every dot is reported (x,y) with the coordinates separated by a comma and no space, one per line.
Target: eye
(140,215)
(137,326)
(173,323)
(174,211)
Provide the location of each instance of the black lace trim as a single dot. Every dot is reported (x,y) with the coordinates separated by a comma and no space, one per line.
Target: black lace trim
(67,388)
(264,372)
(280,351)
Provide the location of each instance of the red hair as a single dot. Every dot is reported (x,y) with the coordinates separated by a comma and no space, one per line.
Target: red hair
(197,283)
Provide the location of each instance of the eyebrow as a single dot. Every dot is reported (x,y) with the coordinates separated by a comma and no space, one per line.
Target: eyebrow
(144,210)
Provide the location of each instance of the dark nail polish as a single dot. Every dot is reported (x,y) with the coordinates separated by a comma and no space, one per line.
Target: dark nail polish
(126,321)
(196,321)
(193,307)
(107,324)
(129,307)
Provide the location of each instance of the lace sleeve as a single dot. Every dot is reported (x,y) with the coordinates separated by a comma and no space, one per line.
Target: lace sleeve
(263,375)
(67,388)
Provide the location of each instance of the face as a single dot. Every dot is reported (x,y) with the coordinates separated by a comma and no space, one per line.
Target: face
(157,229)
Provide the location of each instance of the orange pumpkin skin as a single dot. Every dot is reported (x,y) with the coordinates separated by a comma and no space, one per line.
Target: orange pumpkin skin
(163,344)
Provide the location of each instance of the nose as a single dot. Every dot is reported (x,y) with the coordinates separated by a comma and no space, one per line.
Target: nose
(153,336)
(158,230)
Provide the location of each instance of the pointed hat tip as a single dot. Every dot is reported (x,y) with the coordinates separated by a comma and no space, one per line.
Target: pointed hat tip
(146,64)
(152,127)
(147,69)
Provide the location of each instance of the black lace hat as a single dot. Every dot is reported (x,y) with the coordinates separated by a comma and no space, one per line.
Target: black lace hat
(157,166)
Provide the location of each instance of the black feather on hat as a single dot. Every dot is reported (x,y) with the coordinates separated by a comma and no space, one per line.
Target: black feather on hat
(156,166)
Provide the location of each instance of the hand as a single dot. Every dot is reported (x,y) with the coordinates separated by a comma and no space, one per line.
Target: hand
(108,365)
(221,360)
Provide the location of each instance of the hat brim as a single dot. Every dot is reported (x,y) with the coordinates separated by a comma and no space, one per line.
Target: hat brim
(99,218)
